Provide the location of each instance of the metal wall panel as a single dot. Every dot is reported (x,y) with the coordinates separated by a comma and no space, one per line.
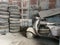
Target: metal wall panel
(44,4)
(33,2)
(58,3)
(52,4)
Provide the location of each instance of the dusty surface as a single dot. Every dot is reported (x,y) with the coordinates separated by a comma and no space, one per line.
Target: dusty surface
(15,39)
(18,39)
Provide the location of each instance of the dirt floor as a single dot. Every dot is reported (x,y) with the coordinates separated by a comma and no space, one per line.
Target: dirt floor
(18,39)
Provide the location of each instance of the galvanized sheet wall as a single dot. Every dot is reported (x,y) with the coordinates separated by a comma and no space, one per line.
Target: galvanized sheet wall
(44,4)
(57,3)
(49,4)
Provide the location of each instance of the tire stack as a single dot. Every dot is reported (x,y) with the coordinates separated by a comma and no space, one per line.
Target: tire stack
(4,17)
(14,18)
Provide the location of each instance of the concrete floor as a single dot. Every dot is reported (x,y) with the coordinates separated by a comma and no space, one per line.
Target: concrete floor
(18,39)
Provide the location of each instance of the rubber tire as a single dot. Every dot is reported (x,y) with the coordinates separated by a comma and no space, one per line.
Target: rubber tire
(29,35)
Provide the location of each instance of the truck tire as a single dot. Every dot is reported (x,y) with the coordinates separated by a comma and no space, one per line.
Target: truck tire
(30,32)
(29,35)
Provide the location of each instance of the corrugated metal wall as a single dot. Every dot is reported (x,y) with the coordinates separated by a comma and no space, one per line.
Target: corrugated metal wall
(33,2)
(57,3)
(49,4)
(52,4)
(44,4)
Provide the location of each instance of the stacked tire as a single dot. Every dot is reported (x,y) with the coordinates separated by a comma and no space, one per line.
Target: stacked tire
(14,18)
(4,17)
